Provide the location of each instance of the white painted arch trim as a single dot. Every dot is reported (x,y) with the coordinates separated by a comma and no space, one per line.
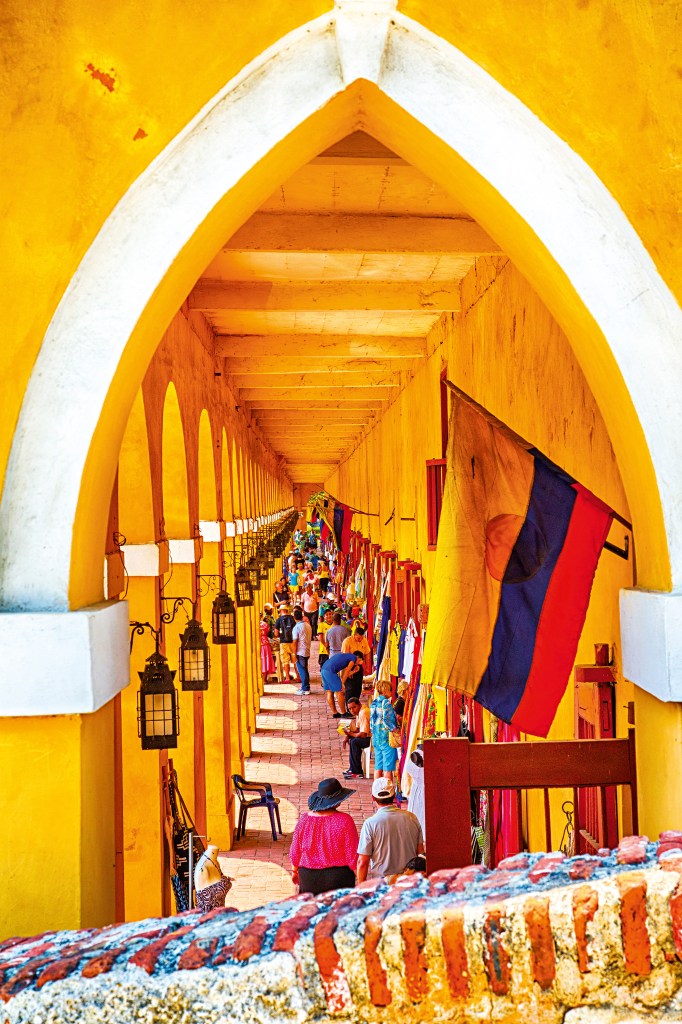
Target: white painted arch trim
(557,194)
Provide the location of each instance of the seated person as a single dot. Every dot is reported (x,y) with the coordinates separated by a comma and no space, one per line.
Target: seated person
(357,737)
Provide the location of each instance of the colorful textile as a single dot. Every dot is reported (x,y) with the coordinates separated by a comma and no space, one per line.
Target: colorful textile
(518,546)
(267,661)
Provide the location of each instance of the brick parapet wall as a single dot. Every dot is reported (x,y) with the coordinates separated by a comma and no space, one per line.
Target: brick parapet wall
(534,939)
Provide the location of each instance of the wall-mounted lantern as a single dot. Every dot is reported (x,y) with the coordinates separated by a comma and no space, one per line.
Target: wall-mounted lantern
(242,587)
(224,619)
(195,657)
(158,714)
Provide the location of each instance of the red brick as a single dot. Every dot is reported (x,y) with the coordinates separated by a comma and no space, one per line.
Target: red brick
(585,903)
(539,928)
(413,931)
(495,953)
(636,945)
(454,948)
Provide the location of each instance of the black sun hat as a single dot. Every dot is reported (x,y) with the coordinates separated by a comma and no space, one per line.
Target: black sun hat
(329,793)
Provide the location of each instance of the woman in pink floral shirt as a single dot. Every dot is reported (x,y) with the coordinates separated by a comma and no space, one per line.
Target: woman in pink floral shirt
(324,847)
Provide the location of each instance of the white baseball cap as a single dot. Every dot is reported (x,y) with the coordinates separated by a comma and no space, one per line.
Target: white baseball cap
(382,789)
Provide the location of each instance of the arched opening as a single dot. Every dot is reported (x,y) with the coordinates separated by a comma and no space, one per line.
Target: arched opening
(315,87)
(414,117)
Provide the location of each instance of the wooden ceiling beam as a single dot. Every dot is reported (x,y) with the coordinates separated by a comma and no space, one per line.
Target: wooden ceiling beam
(298,381)
(357,233)
(369,397)
(323,346)
(271,418)
(213,295)
(280,364)
(314,404)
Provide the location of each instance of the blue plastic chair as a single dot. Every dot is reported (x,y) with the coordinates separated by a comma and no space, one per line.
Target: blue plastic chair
(265,798)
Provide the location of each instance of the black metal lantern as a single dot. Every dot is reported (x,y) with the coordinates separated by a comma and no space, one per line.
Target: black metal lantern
(195,657)
(158,716)
(224,619)
(262,559)
(242,587)
(253,569)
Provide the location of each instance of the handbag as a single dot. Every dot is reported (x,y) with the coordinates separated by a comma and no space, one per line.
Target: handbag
(395,738)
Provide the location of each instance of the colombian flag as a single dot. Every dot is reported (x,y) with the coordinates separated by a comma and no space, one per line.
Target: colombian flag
(518,546)
(342,520)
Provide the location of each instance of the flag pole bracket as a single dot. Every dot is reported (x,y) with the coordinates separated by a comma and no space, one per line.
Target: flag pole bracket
(623,552)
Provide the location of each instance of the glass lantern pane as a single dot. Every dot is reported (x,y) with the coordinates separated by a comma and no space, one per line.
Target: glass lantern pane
(193,664)
(158,714)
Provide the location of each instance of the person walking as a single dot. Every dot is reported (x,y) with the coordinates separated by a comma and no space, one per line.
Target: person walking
(335,672)
(324,846)
(302,636)
(382,722)
(281,592)
(311,605)
(336,635)
(390,838)
(358,737)
(284,628)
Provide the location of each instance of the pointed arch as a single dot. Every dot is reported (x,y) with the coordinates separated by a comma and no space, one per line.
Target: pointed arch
(208,495)
(371,68)
(174,468)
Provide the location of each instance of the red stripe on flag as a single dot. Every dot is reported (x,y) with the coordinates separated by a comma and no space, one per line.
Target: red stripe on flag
(563,614)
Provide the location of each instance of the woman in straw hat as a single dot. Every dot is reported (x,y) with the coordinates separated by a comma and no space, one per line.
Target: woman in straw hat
(324,847)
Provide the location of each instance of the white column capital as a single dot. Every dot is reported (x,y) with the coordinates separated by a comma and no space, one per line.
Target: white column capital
(651,635)
(63,663)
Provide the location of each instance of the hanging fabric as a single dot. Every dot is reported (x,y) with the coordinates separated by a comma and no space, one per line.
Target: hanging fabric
(180,826)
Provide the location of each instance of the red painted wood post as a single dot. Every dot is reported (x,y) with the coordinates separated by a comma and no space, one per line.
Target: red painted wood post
(448,807)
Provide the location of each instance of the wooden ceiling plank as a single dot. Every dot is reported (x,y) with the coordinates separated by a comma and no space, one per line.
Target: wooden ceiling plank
(324,346)
(371,398)
(317,404)
(337,379)
(212,294)
(362,234)
(280,363)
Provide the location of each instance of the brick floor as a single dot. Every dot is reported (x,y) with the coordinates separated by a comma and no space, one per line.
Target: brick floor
(296,744)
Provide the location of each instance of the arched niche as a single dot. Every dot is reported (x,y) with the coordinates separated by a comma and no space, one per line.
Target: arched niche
(174,469)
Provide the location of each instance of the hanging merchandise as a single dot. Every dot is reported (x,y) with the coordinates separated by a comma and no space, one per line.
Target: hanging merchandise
(384,627)
(361,582)
(411,638)
(179,825)
(394,642)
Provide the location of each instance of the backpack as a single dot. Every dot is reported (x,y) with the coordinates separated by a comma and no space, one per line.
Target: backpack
(285,624)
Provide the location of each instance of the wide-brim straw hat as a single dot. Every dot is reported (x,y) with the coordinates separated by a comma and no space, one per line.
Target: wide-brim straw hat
(329,794)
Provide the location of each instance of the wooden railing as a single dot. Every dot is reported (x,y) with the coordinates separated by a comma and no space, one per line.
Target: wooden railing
(455,767)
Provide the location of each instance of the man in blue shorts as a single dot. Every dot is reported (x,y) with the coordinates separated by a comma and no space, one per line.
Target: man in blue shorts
(335,671)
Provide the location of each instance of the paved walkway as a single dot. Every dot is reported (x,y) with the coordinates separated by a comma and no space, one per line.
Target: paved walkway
(295,746)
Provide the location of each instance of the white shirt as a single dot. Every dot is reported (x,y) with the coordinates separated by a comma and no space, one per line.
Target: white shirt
(302,635)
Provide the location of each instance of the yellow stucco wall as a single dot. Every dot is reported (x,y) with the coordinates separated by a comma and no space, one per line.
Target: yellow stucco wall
(604,77)
(87,102)
(508,353)
(58,803)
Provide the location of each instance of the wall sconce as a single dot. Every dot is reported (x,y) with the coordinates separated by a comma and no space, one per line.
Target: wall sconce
(223,612)
(253,570)
(224,619)
(158,713)
(194,657)
(242,587)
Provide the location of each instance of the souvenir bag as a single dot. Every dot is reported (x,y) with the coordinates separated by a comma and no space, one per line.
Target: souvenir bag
(181,827)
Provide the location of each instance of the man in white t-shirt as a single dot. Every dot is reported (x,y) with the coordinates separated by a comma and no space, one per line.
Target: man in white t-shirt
(302,636)
(390,838)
